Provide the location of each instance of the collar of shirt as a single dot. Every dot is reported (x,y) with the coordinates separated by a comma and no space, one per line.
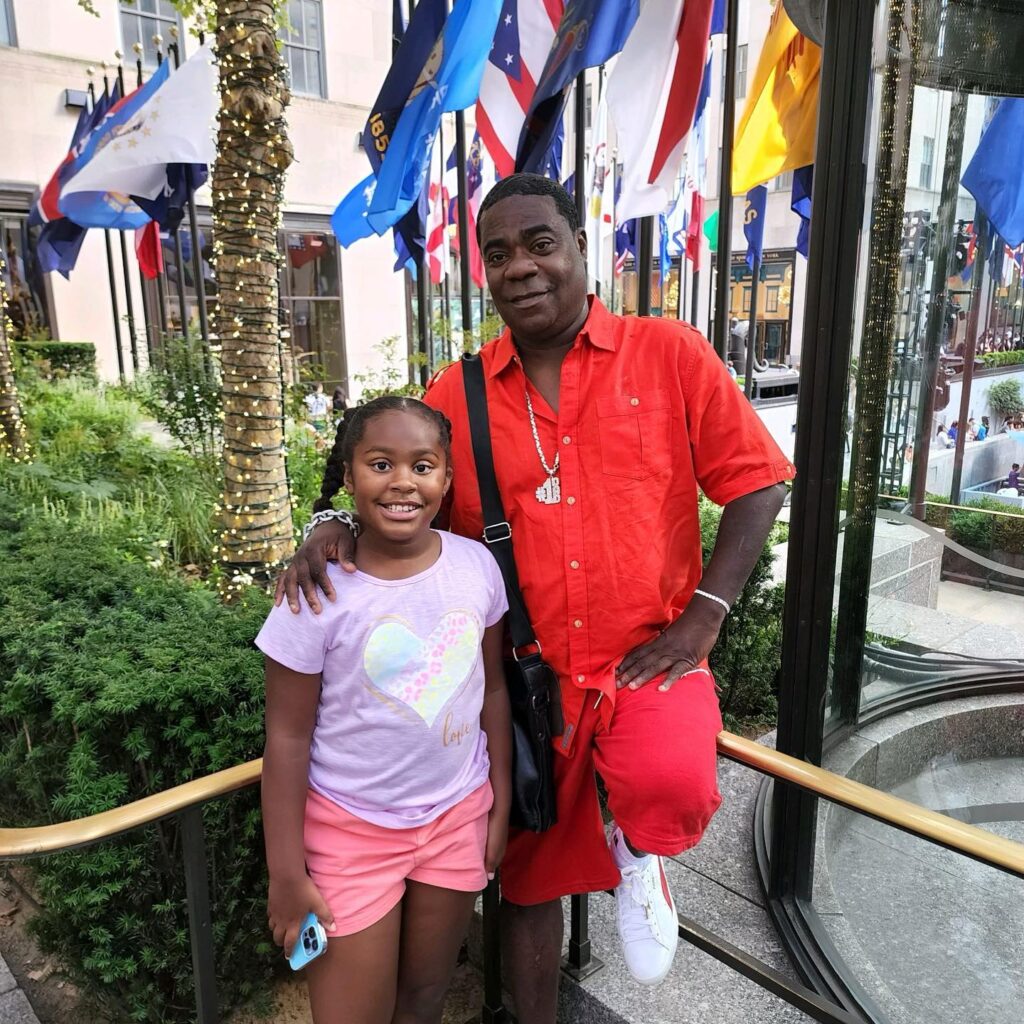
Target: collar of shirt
(602,329)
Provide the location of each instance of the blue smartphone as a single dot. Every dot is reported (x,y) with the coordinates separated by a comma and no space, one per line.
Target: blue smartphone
(310,944)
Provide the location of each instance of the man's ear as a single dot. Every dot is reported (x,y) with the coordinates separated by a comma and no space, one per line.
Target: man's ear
(581,241)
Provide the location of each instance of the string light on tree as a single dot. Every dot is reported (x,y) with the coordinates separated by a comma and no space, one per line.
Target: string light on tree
(13,437)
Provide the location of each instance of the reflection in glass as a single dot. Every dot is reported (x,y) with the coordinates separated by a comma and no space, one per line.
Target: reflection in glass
(316,335)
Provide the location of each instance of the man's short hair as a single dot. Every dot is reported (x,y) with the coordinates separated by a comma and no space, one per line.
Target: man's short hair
(531,185)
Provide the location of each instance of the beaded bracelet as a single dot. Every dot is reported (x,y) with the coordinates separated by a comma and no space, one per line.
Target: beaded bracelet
(714,597)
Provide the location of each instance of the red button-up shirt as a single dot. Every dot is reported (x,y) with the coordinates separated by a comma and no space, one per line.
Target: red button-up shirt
(647,415)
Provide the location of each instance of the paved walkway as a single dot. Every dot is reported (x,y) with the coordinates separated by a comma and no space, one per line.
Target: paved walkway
(14,1007)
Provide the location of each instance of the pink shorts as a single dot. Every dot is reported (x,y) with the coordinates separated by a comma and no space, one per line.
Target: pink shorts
(360,868)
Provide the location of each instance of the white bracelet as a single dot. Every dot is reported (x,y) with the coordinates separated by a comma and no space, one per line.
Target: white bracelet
(714,597)
(342,515)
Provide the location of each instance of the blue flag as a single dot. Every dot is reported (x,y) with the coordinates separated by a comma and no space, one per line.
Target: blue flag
(110,209)
(800,204)
(61,240)
(168,208)
(349,221)
(993,176)
(666,261)
(718,18)
(590,33)
(449,80)
(753,223)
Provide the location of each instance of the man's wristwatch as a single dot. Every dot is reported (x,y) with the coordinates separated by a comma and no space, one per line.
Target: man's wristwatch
(342,515)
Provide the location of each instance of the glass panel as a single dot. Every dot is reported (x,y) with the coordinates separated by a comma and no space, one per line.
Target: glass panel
(145,6)
(6,26)
(293,30)
(928,935)
(312,264)
(297,67)
(311,22)
(314,82)
(316,332)
(172,301)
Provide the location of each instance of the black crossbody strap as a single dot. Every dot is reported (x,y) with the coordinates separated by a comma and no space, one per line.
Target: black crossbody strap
(497,532)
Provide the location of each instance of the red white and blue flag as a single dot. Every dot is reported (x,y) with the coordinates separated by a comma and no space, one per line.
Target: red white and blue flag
(478,181)
(522,41)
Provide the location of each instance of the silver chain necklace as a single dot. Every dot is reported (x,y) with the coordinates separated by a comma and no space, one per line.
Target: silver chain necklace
(549,492)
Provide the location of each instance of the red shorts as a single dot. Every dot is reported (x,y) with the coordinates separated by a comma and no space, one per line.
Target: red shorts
(658,762)
(360,868)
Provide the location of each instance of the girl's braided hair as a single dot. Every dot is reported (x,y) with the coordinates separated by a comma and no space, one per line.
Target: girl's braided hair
(352,428)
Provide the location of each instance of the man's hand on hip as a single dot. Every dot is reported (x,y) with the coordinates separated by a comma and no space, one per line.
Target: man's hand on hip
(681,648)
(329,542)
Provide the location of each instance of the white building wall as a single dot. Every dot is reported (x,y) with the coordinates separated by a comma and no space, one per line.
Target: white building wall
(57,41)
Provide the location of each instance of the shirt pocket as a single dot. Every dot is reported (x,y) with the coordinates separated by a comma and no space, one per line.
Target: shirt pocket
(635,433)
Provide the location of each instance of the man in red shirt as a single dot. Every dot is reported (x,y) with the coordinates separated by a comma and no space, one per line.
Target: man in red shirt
(603,428)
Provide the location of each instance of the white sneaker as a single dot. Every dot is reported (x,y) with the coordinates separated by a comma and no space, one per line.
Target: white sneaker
(648,924)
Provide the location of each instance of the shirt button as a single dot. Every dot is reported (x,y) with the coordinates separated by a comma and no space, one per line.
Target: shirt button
(634,401)
(578,623)
(567,439)
(574,564)
(581,679)
(570,500)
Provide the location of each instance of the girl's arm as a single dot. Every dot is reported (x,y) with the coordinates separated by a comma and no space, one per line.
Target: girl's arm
(292,699)
(496,722)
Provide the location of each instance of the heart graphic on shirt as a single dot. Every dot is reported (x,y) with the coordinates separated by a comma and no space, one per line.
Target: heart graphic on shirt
(423,674)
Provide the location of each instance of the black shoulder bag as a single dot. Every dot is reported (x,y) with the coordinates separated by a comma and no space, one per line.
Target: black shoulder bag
(532,683)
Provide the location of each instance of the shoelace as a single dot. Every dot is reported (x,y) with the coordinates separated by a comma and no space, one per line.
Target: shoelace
(640,886)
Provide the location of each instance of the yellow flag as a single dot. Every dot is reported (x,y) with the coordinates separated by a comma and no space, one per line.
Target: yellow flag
(776,131)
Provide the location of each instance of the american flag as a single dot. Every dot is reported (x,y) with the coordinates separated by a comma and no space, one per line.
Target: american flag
(522,42)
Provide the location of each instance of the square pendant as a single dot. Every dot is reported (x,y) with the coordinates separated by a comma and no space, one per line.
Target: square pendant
(549,492)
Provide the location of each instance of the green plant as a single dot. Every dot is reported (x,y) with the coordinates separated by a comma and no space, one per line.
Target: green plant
(183,394)
(306,461)
(1003,358)
(116,683)
(1006,399)
(393,377)
(747,656)
(54,360)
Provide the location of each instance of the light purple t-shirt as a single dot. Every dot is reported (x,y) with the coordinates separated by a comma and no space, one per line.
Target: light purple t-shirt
(397,740)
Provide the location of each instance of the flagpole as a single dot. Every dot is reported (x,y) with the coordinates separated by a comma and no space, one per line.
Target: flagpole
(446,271)
(147,313)
(596,241)
(681,290)
(695,293)
(465,286)
(110,254)
(748,371)
(644,255)
(197,256)
(580,145)
(724,255)
(128,300)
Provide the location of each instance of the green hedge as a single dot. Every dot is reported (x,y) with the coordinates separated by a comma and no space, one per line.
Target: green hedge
(117,682)
(1003,358)
(58,358)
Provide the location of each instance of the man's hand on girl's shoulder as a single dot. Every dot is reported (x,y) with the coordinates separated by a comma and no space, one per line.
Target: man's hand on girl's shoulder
(329,542)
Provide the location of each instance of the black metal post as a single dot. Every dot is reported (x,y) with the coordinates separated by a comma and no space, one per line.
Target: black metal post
(942,244)
(114,306)
(712,285)
(493,1011)
(681,288)
(197,256)
(837,213)
(748,370)
(424,310)
(580,962)
(580,143)
(129,300)
(465,285)
(644,255)
(721,339)
(695,295)
(200,923)
(147,313)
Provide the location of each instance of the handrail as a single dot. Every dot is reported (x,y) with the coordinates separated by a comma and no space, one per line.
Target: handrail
(953,508)
(955,835)
(69,835)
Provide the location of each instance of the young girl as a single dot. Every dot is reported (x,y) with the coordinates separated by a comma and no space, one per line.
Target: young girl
(387,768)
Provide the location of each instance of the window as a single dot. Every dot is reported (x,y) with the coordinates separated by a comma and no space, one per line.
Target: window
(927,162)
(143,19)
(741,71)
(771,299)
(7,36)
(304,43)
(782,182)
(28,305)
(311,297)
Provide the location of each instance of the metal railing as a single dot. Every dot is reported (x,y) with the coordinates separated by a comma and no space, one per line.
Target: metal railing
(184,802)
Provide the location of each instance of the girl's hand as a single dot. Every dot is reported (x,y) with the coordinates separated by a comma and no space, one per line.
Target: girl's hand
(288,902)
(497,840)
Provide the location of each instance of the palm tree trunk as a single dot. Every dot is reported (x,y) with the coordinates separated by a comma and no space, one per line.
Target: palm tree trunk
(13,441)
(253,154)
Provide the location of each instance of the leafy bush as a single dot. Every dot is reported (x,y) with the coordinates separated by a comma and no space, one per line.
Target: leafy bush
(748,654)
(183,394)
(115,683)
(57,359)
(1003,358)
(1006,399)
